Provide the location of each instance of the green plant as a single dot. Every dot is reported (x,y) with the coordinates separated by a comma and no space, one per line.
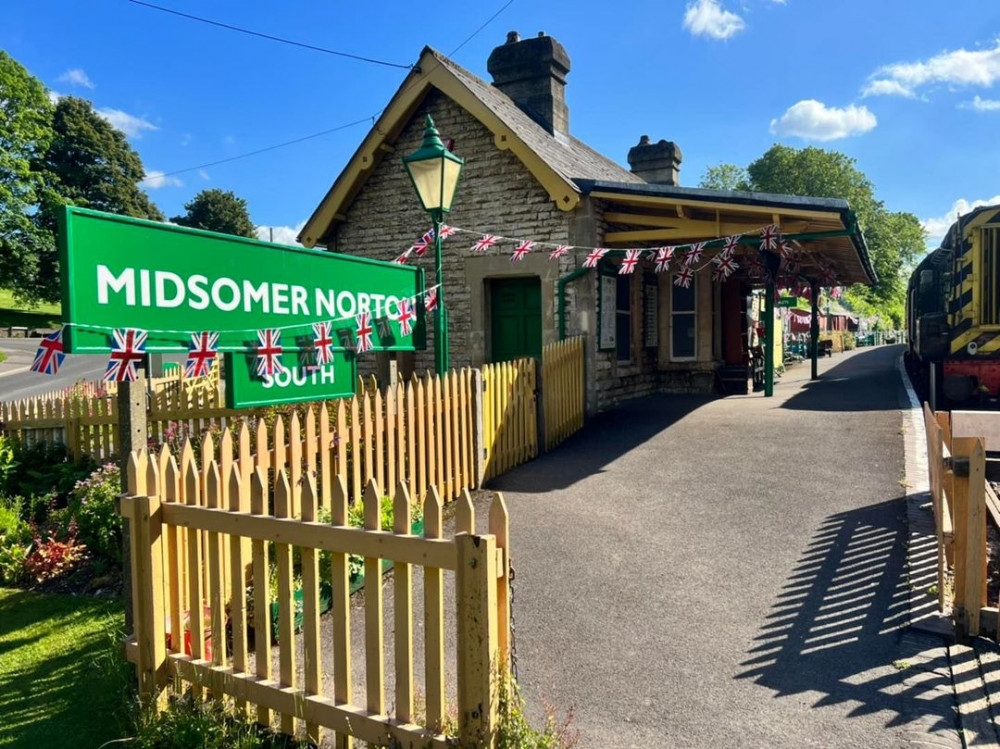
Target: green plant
(92,507)
(515,732)
(13,555)
(45,468)
(12,524)
(8,461)
(356,513)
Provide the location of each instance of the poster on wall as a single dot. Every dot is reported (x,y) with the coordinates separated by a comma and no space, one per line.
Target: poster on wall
(650,310)
(609,296)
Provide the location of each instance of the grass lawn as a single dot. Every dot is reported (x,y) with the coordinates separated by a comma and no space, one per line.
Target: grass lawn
(12,313)
(58,686)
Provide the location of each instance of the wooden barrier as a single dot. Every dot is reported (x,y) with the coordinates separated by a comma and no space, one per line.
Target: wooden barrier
(510,417)
(563,394)
(184,519)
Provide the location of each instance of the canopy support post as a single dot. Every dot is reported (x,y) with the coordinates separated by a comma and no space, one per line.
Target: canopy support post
(814,329)
(769,340)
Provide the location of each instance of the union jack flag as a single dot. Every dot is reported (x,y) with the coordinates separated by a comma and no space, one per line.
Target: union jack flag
(755,268)
(785,248)
(484,243)
(365,332)
(684,277)
(431,300)
(769,237)
(628,264)
(401,260)
(201,354)
(594,257)
(694,254)
(269,352)
(521,250)
(446,231)
(559,251)
(405,316)
(49,356)
(421,246)
(323,342)
(128,348)
(663,259)
(731,244)
(725,266)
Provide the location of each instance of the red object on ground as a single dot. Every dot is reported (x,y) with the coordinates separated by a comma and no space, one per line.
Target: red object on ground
(207,655)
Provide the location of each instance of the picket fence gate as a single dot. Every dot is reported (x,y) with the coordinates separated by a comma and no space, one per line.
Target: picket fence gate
(200,534)
(563,389)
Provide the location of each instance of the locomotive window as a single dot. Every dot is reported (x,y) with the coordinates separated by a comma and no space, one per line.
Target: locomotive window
(926,280)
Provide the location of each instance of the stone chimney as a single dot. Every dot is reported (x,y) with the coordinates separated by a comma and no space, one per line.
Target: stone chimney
(532,72)
(657,163)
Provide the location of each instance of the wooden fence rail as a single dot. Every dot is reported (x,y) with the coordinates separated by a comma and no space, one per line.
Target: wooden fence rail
(963,503)
(200,535)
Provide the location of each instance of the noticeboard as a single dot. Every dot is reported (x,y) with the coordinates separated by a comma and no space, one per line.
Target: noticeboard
(172,281)
(650,311)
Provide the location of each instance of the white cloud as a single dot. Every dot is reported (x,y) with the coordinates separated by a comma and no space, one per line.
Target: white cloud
(76,77)
(813,120)
(282,234)
(186,139)
(154,180)
(937,227)
(54,96)
(885,87)
(980,104)
(961,67)
(129,124)
(709,18)
(203,174)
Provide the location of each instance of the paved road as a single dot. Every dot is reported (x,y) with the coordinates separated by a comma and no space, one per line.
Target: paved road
(726,572)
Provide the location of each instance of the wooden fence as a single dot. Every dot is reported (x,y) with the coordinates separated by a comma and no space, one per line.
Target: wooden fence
(963,503)
(563,389)
(200,535)
(510,415)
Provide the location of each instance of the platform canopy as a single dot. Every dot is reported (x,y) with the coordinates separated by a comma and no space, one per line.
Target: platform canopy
(824,230)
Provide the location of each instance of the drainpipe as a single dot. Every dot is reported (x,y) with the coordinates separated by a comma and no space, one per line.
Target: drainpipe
(561,295)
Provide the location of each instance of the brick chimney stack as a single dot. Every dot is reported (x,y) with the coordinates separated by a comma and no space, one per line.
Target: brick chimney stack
(533,72)
(657,163)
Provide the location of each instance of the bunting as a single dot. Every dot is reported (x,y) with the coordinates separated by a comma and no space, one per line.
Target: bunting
(364,332)
(202,350)
(631,260)
(323,342)
(128,349)
(49,356)
(521,250)
(269,352)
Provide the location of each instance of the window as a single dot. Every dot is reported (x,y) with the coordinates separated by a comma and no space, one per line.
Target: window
(683,322)
(623,319)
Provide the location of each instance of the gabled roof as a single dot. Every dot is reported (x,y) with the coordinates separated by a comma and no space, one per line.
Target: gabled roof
(557,162)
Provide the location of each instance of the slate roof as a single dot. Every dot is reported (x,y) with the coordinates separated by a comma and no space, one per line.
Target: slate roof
(570,157)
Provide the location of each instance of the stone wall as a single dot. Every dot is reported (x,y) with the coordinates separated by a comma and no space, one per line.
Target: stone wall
(497,194)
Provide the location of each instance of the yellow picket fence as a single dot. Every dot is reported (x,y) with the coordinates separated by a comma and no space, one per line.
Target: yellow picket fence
(201,533)
(421,432)
(563,389)
(510,417)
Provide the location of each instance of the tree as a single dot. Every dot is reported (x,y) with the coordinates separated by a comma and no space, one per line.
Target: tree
(89,164)
(25,133)
(218,210)
(894,240)
(725,177)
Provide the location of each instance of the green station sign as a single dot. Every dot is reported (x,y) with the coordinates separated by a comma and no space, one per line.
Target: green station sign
(300,380)
(172,281)
(787,301)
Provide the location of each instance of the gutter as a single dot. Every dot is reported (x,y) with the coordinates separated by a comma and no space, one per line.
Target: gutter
(561,296)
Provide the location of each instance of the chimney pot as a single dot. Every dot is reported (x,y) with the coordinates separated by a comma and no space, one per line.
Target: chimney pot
(533,73)
(657,163)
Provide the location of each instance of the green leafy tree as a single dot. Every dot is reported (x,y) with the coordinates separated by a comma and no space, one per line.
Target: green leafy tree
(218,210)
(89,164)
(895,240)
(25,133)
(725,177)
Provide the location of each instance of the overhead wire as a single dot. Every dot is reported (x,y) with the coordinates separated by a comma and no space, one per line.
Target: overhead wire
(371,118)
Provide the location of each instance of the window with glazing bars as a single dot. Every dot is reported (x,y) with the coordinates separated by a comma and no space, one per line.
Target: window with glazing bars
(990,282)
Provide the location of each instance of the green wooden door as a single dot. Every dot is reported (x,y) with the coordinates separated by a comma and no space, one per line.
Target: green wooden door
(516,318)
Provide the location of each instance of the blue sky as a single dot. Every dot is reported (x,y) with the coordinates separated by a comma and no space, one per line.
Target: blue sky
(910,88)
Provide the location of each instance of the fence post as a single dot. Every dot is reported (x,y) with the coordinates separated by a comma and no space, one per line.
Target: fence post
(975,549)
(476,601)
(478,446)
(542,437)
(132,435)
(962,448)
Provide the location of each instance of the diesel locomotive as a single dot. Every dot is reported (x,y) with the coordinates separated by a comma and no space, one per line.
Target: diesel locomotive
(953,314)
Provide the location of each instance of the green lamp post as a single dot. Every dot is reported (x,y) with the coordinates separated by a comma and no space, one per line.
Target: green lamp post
(434,171)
